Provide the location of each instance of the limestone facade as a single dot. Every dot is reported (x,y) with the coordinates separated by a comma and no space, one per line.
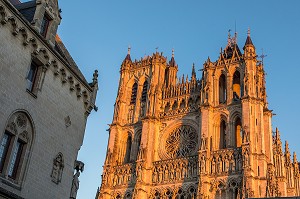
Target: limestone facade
(188,138)
(45,102)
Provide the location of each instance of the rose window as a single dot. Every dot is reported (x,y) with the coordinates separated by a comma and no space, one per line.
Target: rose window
(181,142)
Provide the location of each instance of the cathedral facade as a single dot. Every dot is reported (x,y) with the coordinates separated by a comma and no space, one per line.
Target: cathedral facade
(188,138)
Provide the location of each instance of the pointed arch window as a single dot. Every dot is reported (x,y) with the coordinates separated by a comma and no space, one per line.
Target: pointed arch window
(238,132)
(137,144)
(133,93)
(15,145)
(144,93)
(223,136)
(128,149)
(236,85)
(222,89)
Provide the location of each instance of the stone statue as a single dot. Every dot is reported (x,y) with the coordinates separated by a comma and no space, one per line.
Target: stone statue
(57,169)
(75,185)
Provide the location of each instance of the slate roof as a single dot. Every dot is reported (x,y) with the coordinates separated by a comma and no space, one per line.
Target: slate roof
(248,41)
(27,9)
(62,50)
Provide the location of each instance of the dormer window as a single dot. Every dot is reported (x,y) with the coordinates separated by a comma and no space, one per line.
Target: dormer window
(45,24)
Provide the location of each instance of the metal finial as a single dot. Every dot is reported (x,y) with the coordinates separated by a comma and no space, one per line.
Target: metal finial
(262,56)
(129,48)
(248,32)
(156,49)
(172,52)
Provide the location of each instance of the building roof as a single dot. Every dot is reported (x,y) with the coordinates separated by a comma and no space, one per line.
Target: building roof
(62,50)
(14,2)
(27,9)
(248,41)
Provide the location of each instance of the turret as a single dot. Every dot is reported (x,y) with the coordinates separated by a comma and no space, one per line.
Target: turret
(127,61)
(249,49)
(171,72)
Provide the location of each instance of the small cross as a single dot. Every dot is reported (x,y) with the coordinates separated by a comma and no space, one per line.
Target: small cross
(262,56)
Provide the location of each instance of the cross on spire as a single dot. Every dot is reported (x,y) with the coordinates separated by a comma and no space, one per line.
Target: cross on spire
(128,51)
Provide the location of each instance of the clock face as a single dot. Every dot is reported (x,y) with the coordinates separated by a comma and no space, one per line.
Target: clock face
(181,142)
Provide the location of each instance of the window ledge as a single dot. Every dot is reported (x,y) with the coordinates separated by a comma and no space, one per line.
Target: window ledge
(10,183)
(6,193)
(31,93)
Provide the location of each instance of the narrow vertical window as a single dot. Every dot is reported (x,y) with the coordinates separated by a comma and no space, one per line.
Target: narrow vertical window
(222,135)
(236,85)
(16,157)
(31,78)
(5,142)
(128,149)
(45,25)
(133,94)
(144,93)
(238,132)
(222,89)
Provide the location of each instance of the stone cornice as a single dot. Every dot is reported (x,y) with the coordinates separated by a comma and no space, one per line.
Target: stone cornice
(12,19)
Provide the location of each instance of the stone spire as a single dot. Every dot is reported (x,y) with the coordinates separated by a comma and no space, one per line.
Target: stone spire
(248,40)
(295,158)
(172,62)
(128,54)
(287,153)
(193,72)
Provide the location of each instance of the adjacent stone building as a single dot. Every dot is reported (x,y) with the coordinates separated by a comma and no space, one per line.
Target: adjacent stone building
(44,104)
(188,138)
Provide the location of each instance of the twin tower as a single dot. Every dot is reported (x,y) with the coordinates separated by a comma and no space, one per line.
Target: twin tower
(189,138)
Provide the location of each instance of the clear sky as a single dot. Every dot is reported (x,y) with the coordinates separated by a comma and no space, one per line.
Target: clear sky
(97,34)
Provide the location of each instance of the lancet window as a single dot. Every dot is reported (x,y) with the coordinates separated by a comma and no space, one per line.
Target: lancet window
(222,89)
(133,93)
(238,132)
(144,92)
(128,149)
(137,143)
(222,144)
(236,85)
(14,146)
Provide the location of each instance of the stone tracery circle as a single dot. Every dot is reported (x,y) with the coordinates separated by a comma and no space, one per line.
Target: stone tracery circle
(181,142)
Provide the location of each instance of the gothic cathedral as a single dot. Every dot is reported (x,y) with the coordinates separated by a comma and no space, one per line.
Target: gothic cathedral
(189,138)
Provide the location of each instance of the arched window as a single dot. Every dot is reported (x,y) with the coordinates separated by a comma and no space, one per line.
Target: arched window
(238,132)
(15,144)
(236,85)
(137,141)
(128,149)
(222,89)
(144,93)
(133,94)
(222,144)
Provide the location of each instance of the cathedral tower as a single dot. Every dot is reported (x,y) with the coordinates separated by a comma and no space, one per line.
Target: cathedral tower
(191,138)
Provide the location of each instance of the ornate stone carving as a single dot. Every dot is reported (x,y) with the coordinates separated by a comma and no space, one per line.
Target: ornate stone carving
(21,121)
(57,169)
(75,185)
(181,142)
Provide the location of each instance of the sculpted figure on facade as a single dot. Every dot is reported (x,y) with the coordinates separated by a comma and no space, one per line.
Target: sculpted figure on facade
(57,169)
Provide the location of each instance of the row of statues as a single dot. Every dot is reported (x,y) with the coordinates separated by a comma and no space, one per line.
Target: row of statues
(181,169)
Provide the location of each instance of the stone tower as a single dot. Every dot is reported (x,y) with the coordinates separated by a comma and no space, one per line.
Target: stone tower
(191,138)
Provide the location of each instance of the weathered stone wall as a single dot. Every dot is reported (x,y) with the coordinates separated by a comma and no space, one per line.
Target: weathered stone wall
(48,110)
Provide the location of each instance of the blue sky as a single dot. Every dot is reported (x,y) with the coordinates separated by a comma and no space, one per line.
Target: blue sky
(97,34)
